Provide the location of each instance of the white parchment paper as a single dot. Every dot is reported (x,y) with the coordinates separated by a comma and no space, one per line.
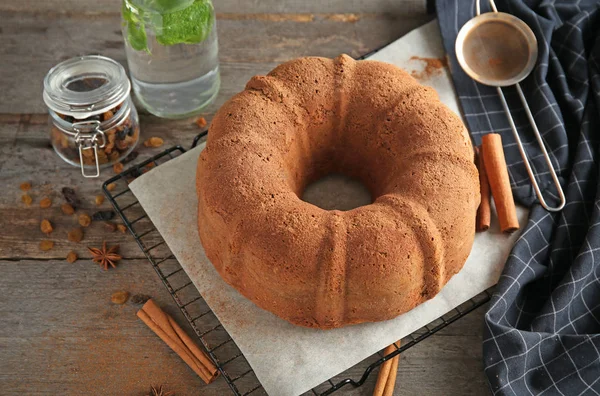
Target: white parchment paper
(289,360)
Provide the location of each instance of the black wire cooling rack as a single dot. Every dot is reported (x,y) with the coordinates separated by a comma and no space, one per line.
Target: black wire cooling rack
(220,346)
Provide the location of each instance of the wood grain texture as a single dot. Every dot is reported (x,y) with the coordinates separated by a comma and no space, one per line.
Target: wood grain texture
(34,42)
(59,332)
(402,7)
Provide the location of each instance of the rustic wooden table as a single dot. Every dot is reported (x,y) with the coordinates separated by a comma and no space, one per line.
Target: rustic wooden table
(59,332)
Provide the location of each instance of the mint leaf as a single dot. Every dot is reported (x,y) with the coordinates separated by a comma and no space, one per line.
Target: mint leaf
(162,6)
(191,25)
(136,30)
(173,21)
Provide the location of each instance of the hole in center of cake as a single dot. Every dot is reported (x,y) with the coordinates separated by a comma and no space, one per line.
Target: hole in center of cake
(337,192)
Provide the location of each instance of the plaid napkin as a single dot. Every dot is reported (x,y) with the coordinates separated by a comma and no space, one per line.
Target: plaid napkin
(543,323)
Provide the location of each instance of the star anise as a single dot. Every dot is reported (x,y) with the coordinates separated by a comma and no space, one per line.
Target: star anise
(159,392)
(104,256)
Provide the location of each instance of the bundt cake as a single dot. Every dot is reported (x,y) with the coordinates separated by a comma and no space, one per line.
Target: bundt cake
(368,120)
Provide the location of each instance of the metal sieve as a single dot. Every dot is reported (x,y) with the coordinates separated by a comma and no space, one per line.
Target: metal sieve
(500,50)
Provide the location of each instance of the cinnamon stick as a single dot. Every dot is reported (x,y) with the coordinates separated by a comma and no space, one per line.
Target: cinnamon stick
(169,331)
(386,378)
(497,172)
(484,213)
(391,381)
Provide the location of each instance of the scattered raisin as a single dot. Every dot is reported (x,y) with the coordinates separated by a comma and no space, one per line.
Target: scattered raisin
(134,172)
(75,235)
(99,200)
(45,203)
(104,215)
(110,226)
(26,198)
(140,298)
(122,228)
(111,186)
(148,167)
(132,156)
(46,227)
(118,167)
(71,197)
(85,220)
(71,257)
(67,209)
(154,142)
(26,186)
(201,122)
(46,245)
(119,297)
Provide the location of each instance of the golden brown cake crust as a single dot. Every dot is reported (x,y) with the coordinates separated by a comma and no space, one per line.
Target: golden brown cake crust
(369,120)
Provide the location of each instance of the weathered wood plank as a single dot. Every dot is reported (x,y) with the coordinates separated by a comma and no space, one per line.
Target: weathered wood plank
(32,43)
(60,334)
(403,7)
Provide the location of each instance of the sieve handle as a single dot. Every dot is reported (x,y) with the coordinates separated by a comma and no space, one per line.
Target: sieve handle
(478,6)
(536,132)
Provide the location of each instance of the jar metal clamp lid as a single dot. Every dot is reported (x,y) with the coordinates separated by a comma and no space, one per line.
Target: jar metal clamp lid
(81,88)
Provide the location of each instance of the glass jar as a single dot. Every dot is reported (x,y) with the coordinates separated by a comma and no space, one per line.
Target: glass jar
(172,52)
(93,122)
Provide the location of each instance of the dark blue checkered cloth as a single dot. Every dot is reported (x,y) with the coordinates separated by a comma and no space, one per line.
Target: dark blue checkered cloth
(543,323)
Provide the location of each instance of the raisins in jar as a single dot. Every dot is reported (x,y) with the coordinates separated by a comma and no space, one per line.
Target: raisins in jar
(121,144)
(105,113)
(123,133)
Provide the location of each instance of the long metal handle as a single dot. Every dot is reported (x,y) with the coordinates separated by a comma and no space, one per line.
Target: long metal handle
(524,154)
(478,7)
